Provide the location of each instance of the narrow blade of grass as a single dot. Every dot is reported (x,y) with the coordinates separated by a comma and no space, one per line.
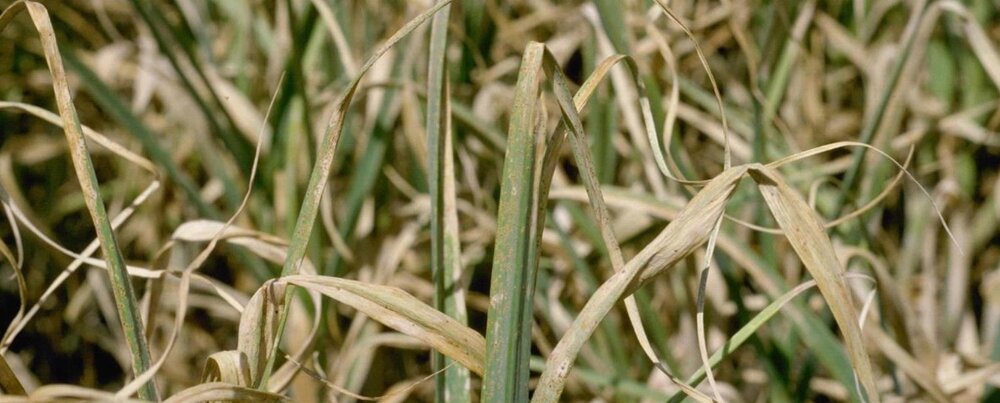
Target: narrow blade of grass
(401,311)
(98,138)
(578,140)
(221,391)
(328,146)
(125,301)
(805,233)
(682,236)
(321,168)
(508,326)
(446,267)
(745,332)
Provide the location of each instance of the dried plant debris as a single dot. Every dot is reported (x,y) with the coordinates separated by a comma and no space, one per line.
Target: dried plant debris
(311,200)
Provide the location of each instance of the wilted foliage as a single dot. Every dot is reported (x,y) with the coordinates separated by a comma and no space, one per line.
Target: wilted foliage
(312,200)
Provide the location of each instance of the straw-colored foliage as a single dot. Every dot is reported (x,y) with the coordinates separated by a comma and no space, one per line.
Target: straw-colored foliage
(313,200)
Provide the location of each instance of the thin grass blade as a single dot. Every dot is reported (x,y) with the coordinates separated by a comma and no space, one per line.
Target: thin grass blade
(445,249)
(324,160)
(125,301)
(682,236)
(401,311)
(508,326)
(805,233)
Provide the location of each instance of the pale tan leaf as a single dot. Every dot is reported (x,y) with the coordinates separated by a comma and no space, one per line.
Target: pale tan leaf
(401,311)
(804,231)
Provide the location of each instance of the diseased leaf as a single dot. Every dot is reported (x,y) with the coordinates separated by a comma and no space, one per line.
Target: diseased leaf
(515,256)
(125,300)
(804,231)
(682,236)
(401,311)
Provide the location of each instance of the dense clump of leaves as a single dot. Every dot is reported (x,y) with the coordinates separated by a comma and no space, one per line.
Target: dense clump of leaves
(304,226)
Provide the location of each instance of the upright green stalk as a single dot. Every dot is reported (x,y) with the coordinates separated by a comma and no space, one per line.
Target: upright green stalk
(321,173)
(125,302)
(454,384)
(508,326)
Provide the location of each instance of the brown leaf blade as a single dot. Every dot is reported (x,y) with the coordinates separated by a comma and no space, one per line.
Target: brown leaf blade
(229,367)
(682,236)
(805,232)
(9,384)
(257,331)
(221,391)
(403,312)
